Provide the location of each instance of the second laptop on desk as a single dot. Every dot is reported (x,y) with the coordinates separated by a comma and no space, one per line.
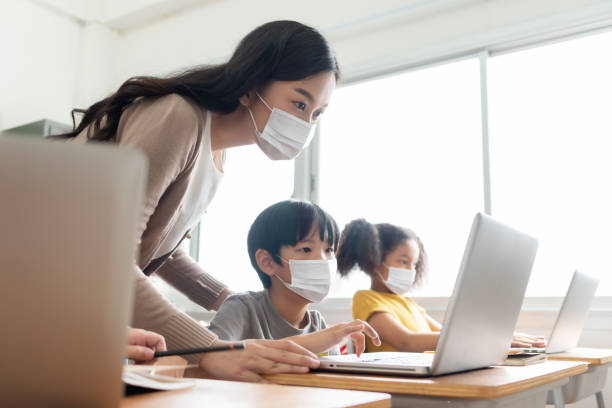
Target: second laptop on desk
(482,313)
(572,315)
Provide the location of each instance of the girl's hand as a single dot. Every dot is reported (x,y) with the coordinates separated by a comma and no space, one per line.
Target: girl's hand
(258,357)
(523,340)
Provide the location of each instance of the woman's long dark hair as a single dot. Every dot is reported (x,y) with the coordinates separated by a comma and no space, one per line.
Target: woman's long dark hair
(367,245)
(279,50)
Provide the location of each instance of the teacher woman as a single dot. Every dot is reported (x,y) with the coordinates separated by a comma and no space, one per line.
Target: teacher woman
(271,92)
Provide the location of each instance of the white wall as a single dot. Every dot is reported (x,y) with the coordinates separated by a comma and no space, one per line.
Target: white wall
(38,63)
(96,63)
(72,53)
(368,36)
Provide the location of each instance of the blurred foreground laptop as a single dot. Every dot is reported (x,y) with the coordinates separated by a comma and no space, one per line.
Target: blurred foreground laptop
(572,315)
(482,313)
(68,222)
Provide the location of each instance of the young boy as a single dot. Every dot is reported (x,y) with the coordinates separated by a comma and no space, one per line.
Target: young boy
(292,247)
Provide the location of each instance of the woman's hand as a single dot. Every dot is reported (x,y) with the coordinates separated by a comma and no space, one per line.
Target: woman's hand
(523,340)
(142,344)
(258,357)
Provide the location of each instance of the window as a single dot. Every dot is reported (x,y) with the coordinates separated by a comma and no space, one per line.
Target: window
(551,150)
(406,149)
(251,183)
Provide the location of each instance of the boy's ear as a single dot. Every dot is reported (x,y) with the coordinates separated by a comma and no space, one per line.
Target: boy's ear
(265,262)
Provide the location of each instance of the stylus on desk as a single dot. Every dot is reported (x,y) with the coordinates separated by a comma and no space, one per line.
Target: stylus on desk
(180,352)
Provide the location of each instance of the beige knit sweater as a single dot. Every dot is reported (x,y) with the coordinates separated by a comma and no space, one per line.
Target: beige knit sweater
(168,130)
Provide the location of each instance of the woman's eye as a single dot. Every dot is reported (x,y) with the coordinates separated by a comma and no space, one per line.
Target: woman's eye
(300,105)
(317,114)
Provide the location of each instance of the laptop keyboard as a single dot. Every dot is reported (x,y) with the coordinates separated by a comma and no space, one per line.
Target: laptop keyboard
(527,350)
(416,359)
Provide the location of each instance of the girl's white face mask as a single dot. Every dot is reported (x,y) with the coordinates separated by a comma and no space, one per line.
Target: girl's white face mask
(399,280)
(311,279)
(284,135)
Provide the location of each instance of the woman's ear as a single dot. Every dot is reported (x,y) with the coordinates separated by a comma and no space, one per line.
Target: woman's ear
(266,262)
(246,99)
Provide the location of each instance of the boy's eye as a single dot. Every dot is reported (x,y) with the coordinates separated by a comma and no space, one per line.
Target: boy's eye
(300,105)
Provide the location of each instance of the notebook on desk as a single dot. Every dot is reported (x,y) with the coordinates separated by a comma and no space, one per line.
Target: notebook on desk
(482,311)
(572,315)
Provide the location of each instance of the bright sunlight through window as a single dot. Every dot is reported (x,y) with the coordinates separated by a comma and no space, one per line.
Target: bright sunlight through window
(551,145)
(406,149)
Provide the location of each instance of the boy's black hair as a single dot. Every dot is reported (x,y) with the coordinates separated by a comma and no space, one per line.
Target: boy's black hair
(285,224)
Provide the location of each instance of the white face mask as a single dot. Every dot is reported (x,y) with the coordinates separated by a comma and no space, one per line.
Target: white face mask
(284,135)
(311,279)
(399,280)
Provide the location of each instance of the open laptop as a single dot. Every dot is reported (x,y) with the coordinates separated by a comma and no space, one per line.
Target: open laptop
(572,315)
(482,313)
(68,222)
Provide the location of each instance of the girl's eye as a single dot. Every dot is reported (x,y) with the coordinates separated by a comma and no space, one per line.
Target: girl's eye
(404,262)
(330,250)
(317,114)
(304,250)
(300,105)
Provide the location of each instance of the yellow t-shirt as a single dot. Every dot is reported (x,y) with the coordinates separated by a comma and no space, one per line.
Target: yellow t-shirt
(405,310)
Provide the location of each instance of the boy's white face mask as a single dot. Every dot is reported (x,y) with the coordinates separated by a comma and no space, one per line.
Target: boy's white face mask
(284,135)
(399,280)
(311,279)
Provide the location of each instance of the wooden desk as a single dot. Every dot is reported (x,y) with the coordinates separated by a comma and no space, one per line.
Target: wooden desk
(212,393)
(593,356)
(590,383)
(489,387)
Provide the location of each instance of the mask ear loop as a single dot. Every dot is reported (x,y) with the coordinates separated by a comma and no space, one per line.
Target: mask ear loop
(262,99)
(379,275)
(280,279)
(254,123)
(284,260)
(253,117)
(384,281)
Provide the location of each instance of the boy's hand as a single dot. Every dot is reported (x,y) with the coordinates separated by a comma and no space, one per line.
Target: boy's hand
(355,330)
(323,340)
(258,357)
(523,340)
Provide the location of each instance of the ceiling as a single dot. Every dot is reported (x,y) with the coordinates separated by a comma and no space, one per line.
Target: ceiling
(120,15)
